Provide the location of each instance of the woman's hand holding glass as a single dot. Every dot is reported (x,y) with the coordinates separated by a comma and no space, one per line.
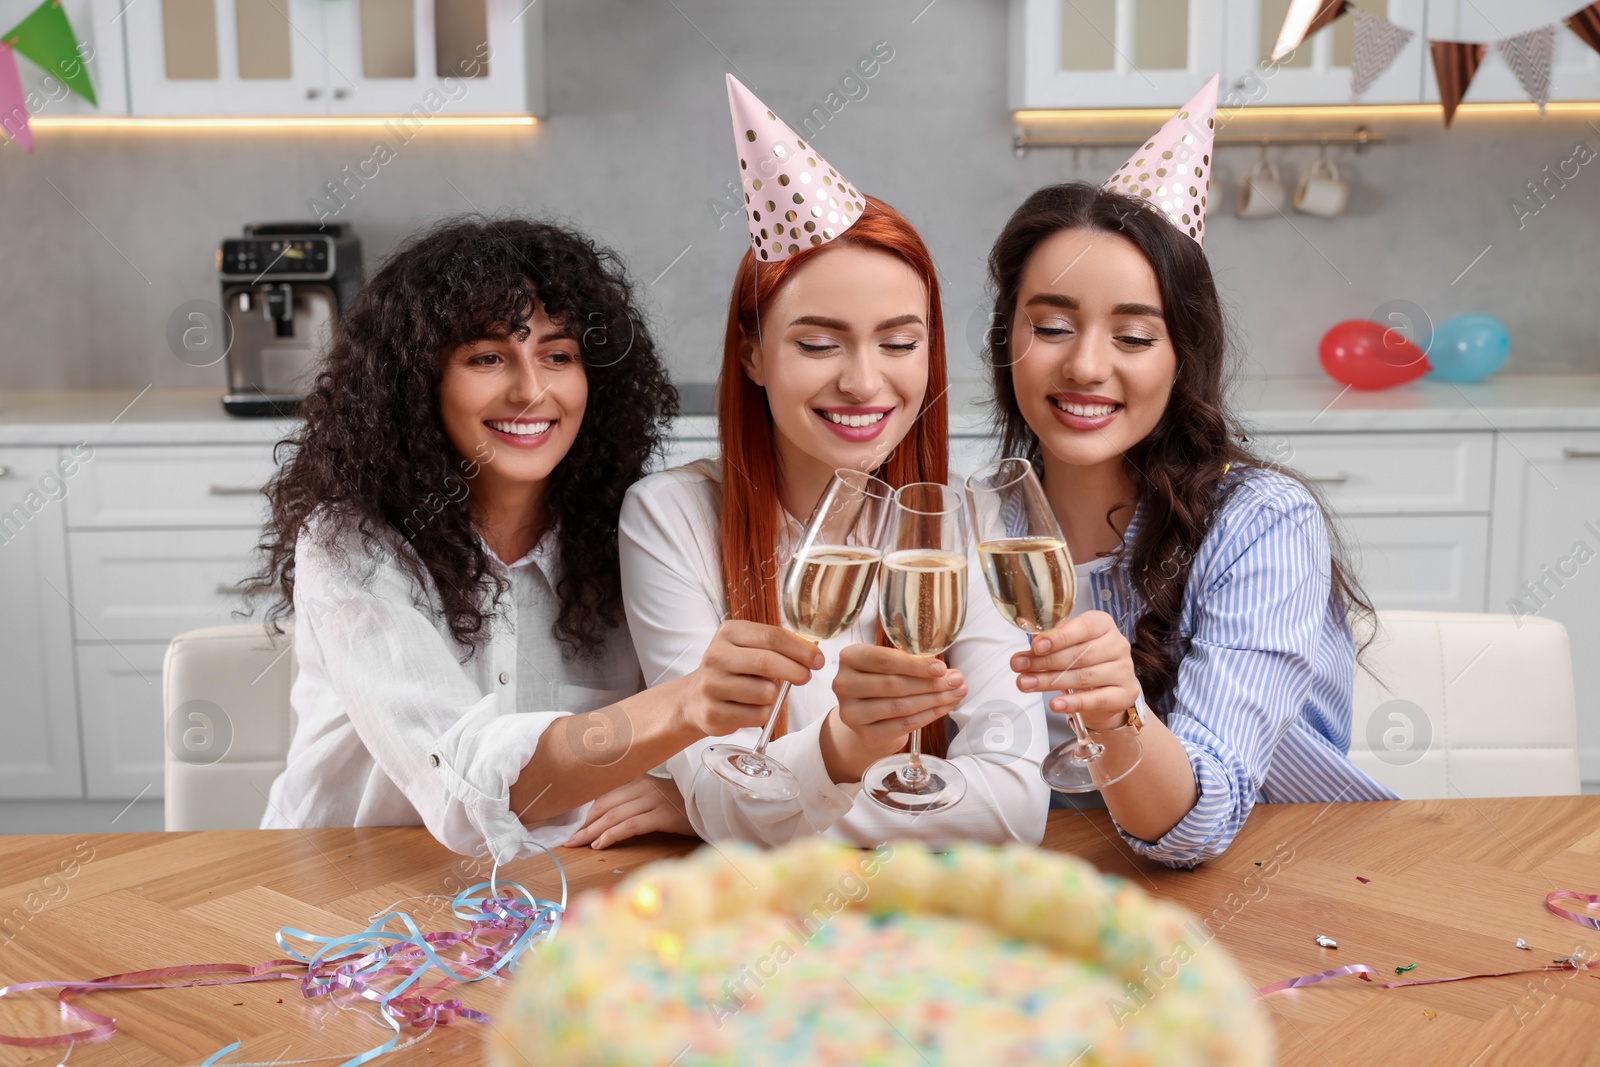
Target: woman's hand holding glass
(1087,655)
(824,587)
(884,694)
(1032,582)
(740,675)
(922,606)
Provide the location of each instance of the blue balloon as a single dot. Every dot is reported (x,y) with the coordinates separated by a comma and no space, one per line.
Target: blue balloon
(1468,348)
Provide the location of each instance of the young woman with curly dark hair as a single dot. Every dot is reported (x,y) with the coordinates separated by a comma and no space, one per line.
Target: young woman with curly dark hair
(1210,583)
(444,529)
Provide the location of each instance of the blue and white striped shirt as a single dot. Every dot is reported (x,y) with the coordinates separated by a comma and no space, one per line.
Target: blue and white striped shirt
(1262,699)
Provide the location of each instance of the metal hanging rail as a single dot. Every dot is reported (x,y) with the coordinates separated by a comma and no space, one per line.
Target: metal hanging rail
(1360,139)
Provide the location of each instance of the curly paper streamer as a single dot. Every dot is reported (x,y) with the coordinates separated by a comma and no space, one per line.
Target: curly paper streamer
(1589,900)
(377,964)
(1592,921)
(1363,970)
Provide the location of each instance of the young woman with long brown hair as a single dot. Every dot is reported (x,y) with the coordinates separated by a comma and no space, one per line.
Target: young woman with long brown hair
(444,530)
(833,357)
(1210,585)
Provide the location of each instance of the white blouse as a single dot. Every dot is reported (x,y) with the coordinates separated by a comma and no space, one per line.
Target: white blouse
(673,592)
(394,729)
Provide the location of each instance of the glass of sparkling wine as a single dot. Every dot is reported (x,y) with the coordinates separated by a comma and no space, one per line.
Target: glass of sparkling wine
(1029,572)
(824,588)
(923,605)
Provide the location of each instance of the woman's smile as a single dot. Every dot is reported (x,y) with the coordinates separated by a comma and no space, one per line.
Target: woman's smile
(1080,411)
(855,423)
(521,432)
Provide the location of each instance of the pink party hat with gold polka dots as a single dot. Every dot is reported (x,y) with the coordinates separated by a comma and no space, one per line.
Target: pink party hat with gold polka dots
(792,198)
(1172,170)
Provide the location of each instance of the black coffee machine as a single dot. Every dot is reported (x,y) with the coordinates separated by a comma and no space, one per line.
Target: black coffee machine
(284,285)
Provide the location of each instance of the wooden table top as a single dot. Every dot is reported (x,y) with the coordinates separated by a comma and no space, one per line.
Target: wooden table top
(1452,885)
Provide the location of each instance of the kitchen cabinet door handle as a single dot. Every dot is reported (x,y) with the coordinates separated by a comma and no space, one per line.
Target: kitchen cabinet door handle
(234,490)
(230,589)
(1329,479)
(312,94)
(1580,453)
(5,472)
(340,94)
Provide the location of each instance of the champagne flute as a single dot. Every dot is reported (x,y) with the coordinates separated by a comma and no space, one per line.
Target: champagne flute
(1029,573)
(923,605)
(824,588)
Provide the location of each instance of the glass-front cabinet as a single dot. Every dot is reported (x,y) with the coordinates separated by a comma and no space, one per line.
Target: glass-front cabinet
(1112,53)
(1318,72)
(334,57)
(1150,53)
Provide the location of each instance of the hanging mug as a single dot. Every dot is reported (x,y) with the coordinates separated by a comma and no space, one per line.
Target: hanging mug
(1261,192)
(1321,192)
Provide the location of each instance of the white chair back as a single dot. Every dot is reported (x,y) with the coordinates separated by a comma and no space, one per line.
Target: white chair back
(1467,705)
(225,691)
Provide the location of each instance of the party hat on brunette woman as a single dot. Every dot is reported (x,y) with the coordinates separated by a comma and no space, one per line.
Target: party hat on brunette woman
(792,198)
(1172,170)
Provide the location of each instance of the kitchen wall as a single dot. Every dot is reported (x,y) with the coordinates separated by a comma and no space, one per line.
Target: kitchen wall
(105,234)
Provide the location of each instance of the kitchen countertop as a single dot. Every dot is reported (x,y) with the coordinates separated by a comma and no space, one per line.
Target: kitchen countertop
(1289,405)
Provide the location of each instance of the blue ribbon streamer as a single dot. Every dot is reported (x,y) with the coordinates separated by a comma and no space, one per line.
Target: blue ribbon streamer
(368,951)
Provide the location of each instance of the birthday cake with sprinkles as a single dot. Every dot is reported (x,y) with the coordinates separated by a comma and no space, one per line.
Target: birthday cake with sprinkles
(822,954)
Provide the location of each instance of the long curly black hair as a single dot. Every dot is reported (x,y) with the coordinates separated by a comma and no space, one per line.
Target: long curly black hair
(1178,468)
(373,449)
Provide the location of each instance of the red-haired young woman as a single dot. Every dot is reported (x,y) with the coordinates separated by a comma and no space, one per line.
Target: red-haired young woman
(833,357)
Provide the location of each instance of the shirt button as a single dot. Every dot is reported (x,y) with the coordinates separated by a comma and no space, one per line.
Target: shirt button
(434,759)
(505,679)
(1105,594)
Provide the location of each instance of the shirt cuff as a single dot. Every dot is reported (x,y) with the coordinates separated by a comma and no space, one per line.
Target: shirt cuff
(823,801)
(1203,832)
(478,759)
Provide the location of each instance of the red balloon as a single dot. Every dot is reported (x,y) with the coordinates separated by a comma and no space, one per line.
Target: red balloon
(1369,355)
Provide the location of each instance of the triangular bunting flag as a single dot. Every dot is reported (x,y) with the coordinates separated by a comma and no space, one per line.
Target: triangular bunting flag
(46,37)
(1377,42)
(1528,56)
(1305,18)
(1454,64)
(13,113)
(1586,24)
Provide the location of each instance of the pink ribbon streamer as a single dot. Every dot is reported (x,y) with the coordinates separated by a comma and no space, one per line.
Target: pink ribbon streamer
(1589,899)
(1361,969)
(376,964)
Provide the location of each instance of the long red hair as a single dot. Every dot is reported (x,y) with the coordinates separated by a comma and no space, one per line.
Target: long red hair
(750,509)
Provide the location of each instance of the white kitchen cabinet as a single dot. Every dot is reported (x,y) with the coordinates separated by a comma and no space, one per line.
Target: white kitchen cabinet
(171,486)
(1391,473)
(38,700)
(1546,559)
(152,585)
(1112,53)
(1419,562)
(123,741)
(1318,72)
(415,58)
(1574,70)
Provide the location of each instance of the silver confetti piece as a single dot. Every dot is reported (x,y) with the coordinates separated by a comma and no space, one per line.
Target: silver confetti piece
(1523,944)
(1326,942)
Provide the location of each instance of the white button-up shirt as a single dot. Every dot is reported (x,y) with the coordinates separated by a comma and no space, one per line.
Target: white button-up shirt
(673,591)
(394,729)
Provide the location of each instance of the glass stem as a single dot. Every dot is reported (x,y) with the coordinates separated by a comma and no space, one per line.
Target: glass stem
(914,754)
(1088,748)
(772,721)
